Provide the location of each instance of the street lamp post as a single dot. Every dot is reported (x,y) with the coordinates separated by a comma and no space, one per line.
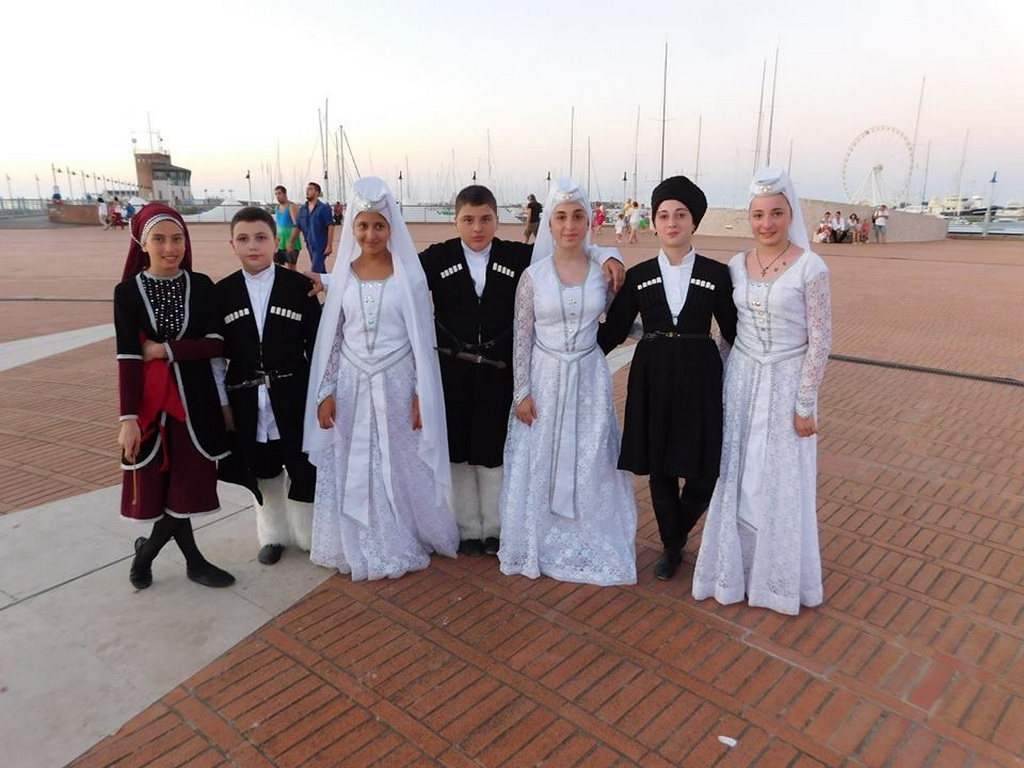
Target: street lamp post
(549,182)
(988,210)
(401,194)
(625,178)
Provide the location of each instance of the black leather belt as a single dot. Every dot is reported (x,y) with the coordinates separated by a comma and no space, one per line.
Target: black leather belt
(674,335)
(263,378)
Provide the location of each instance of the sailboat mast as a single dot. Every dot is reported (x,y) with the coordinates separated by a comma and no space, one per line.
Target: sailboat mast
(696,164)
(572,136)
(636,152)
(917,124)
(960,177)
(341,162)
(664,95)
(326,151)
(588,167)
(771,110)
(760,119)
(924,184)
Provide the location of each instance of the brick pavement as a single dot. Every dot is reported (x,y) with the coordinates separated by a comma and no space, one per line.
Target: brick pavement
(916,657)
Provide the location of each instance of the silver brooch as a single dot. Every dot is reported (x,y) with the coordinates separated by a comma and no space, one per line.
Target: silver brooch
(568,196)
(765,189)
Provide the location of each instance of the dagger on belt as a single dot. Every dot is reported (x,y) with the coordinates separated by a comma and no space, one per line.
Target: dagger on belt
(469,357)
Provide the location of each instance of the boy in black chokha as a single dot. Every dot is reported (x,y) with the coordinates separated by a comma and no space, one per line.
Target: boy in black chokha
(473,280)
(673,422)
(270,324)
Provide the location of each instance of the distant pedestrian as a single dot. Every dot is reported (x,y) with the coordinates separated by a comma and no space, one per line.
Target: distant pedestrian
(880,221)
(286,219)
(339,212)
(316,222)
(634,223)
(104,212)
(532,210)
(620,226)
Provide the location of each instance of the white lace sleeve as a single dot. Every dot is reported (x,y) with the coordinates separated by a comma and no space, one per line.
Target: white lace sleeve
(330,380)
(724,347)
(818,301)
(522,339)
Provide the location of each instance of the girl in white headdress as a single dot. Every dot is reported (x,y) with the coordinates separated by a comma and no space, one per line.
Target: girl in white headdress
(377,434)
(566,510)
(761,534)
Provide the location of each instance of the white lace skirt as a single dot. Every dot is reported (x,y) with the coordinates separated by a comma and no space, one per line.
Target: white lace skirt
(761,532)
(398,536)
(593,539)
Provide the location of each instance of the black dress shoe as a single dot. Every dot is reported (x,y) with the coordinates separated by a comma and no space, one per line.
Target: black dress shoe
(209,575)
(491,545)
(141,574)
(270,554)
(667,565)
(471,547)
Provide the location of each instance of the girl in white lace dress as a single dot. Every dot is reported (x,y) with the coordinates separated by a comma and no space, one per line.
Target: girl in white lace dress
(566,510)
(761,534)
(377,436)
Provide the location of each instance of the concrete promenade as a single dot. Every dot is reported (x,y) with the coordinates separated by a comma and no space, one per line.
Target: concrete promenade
(915,659)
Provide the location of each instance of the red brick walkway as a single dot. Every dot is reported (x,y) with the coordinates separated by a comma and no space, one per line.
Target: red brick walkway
(915,659)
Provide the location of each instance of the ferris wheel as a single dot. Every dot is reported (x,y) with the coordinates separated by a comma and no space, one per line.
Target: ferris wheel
(877,167)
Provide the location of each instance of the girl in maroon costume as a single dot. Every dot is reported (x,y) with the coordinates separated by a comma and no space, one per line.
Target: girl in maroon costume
(172,429)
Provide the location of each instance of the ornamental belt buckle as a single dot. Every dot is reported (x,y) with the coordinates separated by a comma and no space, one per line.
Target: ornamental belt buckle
(265,376)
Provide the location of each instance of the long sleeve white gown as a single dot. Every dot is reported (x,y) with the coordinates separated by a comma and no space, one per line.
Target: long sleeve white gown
(566,510)
(761,533)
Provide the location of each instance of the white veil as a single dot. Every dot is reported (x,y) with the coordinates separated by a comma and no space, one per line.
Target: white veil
(372,194)
(774,180)
(563,190)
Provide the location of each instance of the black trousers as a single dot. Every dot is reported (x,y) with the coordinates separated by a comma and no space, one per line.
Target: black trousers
(677,513)
(271,457)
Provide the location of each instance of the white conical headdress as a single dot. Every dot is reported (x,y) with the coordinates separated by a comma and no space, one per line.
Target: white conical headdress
(774,180)
(563,190)
(372,194)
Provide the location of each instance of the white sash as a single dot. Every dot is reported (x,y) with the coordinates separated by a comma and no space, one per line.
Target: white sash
(563,460)
(369,395)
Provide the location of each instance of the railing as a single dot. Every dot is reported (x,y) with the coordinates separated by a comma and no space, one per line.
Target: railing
(22,206)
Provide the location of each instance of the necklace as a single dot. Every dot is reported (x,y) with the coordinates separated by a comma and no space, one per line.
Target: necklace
(764,268)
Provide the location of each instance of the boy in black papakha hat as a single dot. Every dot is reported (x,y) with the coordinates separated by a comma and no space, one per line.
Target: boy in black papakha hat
(673,423)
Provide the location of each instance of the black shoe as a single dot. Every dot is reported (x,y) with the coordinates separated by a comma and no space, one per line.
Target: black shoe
(141,574)
(209,575)
(270,554)
(667,565)
(471,547)
(491,545)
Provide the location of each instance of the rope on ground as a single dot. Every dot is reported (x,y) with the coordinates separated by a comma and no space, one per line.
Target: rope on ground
(1005,380)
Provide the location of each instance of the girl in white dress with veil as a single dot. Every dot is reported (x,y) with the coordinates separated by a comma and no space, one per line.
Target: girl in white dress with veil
(761,534)
(377,435)
(566,510)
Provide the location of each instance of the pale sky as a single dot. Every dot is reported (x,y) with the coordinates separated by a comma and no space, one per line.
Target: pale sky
(420,86)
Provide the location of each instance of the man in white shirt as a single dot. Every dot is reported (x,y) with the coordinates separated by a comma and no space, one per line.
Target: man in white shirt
(839,227)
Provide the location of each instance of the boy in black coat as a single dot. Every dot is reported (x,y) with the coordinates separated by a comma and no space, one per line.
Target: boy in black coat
(270,324)
(473,280)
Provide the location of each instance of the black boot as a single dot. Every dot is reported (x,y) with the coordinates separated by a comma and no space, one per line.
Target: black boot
(198,568)
(146,550)
(141,574)
(270,554)
(668,564)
